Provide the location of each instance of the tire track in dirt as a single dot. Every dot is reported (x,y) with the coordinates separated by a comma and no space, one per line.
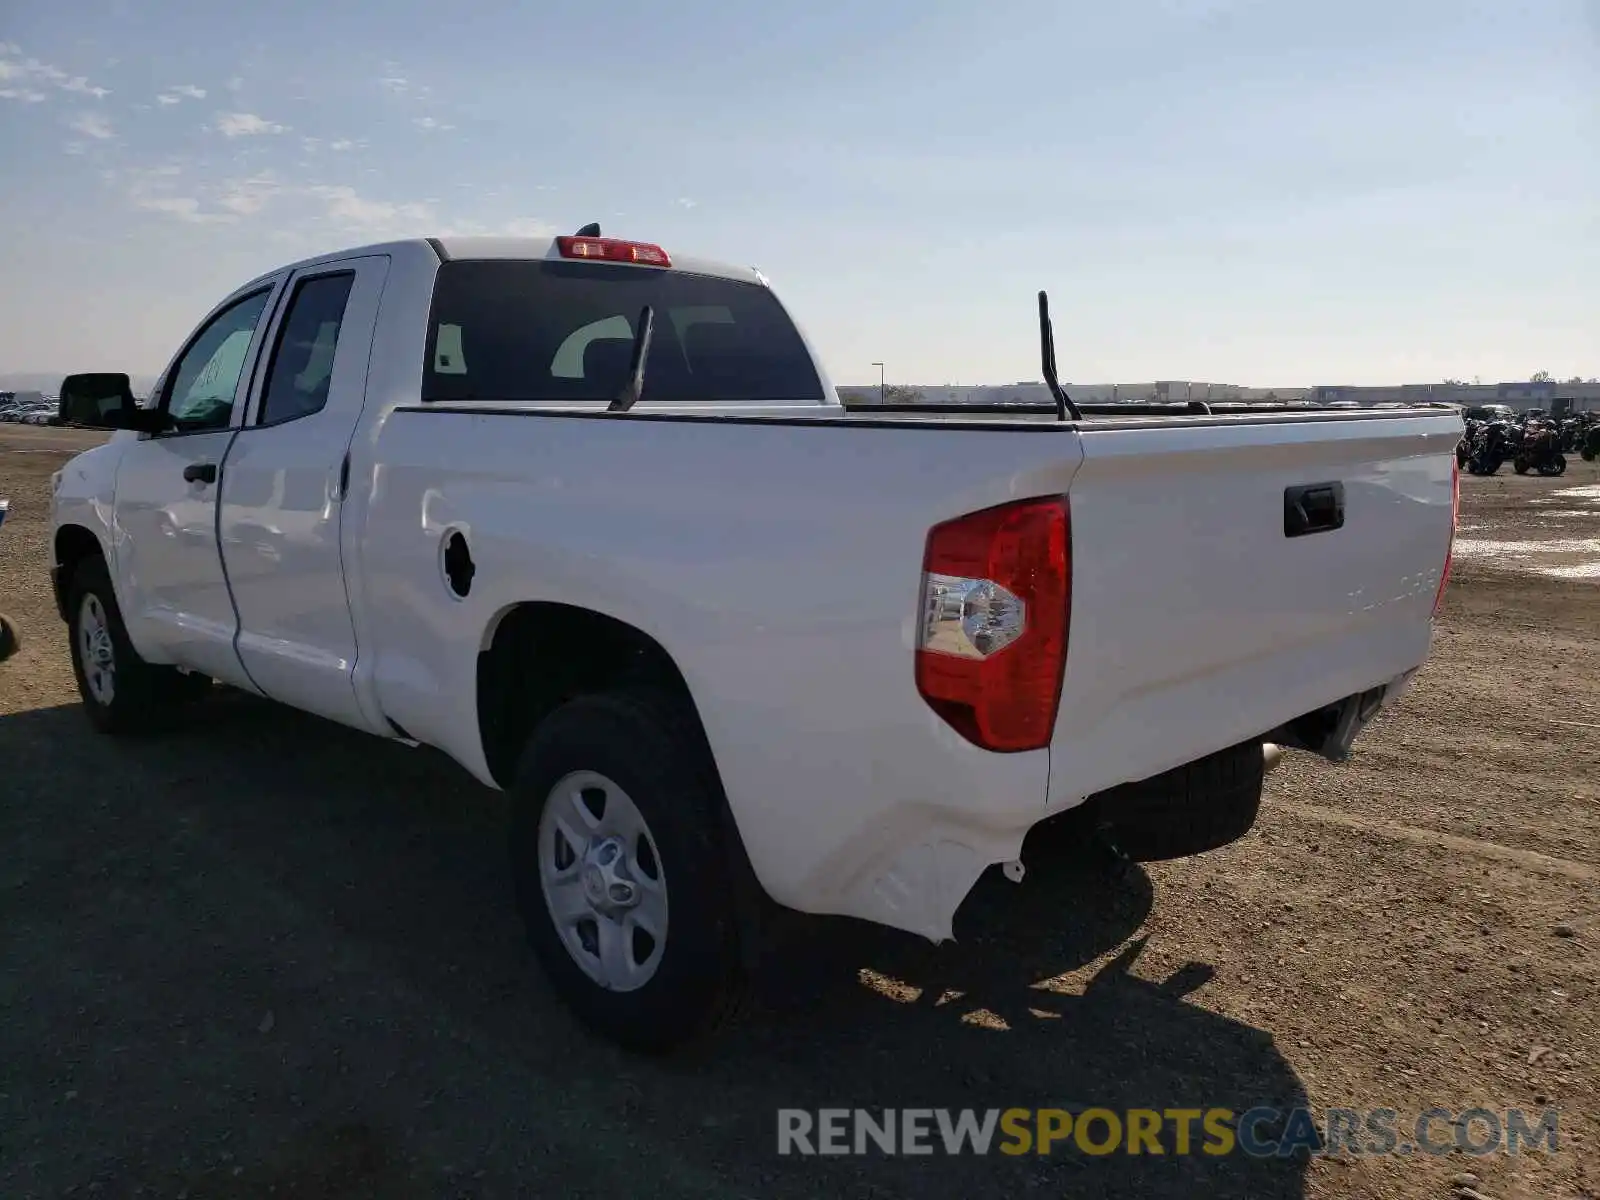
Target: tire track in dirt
(1532,860)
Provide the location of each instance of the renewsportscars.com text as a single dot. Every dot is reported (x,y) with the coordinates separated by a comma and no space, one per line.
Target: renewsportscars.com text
(1258,1132)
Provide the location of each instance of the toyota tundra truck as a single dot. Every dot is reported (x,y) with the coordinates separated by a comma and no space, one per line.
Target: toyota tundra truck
(589,517)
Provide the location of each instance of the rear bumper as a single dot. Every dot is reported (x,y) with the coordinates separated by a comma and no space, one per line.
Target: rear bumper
(905,849)
(1138,736)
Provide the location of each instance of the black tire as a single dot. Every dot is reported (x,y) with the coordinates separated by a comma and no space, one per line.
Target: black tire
(144,697)
(1189,810)
(1520,466)
(10,642)
(642,740)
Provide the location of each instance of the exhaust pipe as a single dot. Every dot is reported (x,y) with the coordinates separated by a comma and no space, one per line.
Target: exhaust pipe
(1271,756)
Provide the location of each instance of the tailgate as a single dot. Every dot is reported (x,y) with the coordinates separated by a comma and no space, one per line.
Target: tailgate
(1229,576)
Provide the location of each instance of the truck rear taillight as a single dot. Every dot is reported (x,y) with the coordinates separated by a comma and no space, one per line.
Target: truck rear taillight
(1455,520)
(992,637)
(600,249)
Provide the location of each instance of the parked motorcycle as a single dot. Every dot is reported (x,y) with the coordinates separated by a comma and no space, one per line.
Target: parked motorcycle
(1540,450)
(1590,449)
(1573,430)
(1492,445)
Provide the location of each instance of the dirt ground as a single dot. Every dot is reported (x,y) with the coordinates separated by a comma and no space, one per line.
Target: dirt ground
(266,956)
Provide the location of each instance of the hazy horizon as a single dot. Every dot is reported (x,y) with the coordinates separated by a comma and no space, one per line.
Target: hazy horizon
(1232,190)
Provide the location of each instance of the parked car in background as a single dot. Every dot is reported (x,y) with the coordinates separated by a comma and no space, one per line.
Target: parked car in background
(30,408)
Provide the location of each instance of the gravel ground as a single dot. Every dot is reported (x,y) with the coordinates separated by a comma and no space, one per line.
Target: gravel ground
(266,956)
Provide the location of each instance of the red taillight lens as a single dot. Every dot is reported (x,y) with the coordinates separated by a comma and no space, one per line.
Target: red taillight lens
(612,250)
(992,637)
(1455,520)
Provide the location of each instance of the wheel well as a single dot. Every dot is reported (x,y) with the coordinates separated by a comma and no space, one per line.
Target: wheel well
(545,654)
(74,543)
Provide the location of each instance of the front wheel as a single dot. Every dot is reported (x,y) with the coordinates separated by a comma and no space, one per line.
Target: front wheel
(619,863)
(1520,466)
(1554,465)
(121,692)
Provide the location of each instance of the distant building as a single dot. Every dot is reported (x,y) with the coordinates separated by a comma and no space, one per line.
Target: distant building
(1520,395)
(1575,397)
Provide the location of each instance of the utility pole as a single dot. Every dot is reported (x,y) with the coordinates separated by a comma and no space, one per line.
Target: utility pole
(881,386)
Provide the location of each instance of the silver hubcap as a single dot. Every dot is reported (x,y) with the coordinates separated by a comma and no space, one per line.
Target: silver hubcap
(602,880)
(95,651)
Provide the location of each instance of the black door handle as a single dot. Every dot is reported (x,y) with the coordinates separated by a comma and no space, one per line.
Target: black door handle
(200,473)
(1313,508)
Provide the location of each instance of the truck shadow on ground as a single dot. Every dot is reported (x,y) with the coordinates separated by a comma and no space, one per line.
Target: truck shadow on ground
(300,942)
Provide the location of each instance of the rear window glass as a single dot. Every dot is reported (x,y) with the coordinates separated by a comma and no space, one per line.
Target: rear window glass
(551,330)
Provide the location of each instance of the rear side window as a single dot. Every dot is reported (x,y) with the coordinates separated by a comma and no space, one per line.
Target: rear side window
(302,363)
(554,330)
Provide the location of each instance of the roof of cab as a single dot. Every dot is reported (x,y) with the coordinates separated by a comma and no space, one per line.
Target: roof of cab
(531,248)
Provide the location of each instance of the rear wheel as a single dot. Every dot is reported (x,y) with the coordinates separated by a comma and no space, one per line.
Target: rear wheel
(621,875)
(121,692)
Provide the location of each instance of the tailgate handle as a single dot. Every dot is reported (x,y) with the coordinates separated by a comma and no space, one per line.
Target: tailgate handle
(1313,508)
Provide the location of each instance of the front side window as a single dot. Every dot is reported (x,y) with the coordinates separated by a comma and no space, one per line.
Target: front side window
(205,379)
(542,330)
(301,368)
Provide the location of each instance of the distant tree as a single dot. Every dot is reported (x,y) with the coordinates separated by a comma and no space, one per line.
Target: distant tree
(1542,377)
(899,393)
(894,393)
(1576,379)
(1452,383)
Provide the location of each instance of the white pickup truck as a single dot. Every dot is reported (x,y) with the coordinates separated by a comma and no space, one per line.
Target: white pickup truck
(589,518)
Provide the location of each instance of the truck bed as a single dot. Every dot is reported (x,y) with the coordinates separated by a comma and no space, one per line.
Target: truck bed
(778,551)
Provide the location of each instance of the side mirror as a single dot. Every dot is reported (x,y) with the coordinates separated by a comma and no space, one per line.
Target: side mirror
(105,401)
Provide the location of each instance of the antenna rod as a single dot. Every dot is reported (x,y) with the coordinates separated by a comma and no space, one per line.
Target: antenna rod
(633,388)
(1047,354)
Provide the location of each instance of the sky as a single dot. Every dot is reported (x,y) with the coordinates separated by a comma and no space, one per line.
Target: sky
(1240,191)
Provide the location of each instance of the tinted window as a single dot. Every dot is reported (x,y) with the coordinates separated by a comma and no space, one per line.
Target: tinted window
(206,377)
(302,362)
(521,330)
